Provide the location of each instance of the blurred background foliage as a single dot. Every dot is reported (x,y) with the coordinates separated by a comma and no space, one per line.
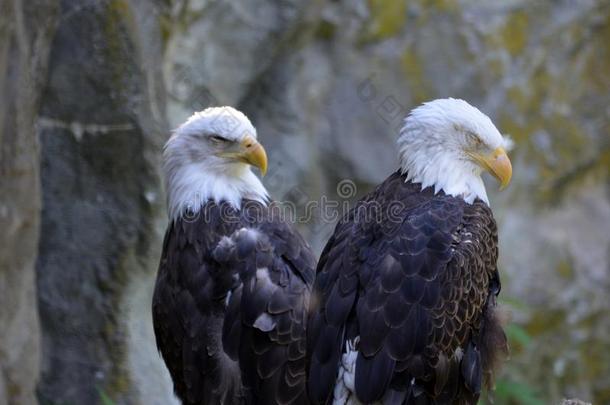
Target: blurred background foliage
(91,90)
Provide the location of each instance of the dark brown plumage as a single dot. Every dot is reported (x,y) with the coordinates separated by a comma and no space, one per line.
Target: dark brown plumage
(413,275)
(229,307)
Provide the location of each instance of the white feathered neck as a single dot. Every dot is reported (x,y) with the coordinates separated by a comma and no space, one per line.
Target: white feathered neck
(189,187)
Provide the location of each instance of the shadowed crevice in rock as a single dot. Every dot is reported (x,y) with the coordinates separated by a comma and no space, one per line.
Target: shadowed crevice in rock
(100,198)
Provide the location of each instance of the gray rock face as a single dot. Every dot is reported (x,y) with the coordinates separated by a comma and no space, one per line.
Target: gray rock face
(25,31)
(327,83)
(217,49)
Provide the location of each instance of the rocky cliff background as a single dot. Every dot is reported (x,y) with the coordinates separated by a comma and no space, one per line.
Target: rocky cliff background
(91,89)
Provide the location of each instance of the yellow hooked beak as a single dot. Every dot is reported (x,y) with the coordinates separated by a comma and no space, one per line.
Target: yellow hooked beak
(252,153)
(498,164)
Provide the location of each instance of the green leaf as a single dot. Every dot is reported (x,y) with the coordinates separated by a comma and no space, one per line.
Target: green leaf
(518,392)
(104,397)
(517,334)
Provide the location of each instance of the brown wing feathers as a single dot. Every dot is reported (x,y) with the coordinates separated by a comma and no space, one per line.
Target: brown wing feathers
(271,315)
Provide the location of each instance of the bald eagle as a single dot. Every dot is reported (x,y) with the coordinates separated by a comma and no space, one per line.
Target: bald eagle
(404,303)
(232,290)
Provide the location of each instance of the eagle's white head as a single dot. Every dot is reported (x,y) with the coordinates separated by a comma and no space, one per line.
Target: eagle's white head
(210,157)
(447,144)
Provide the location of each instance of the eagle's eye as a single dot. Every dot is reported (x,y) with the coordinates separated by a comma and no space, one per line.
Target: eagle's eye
(474,139)
(218,140)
